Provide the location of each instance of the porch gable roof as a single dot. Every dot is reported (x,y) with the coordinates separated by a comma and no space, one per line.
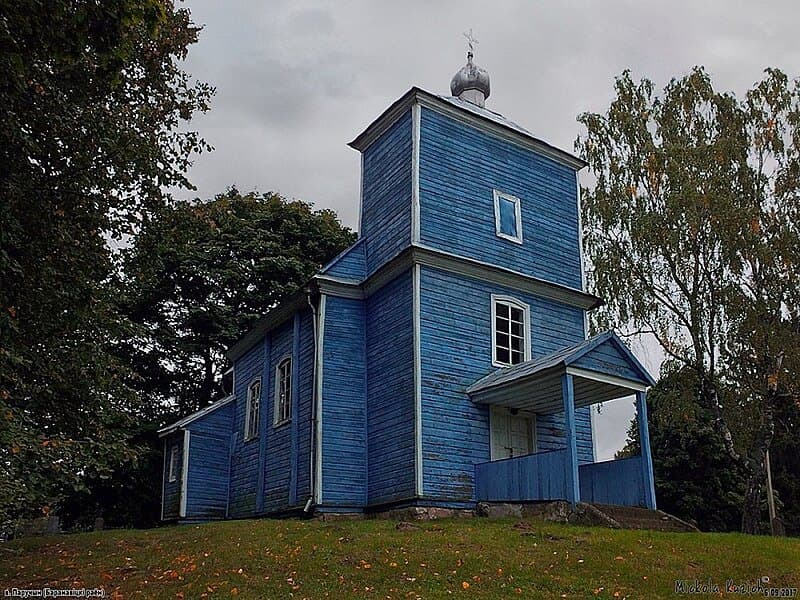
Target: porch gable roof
(603,368)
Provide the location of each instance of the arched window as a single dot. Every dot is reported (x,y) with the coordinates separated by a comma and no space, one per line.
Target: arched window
(511,342)
(283,391)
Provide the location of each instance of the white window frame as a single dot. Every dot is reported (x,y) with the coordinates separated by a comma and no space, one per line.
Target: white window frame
(526,311)
(278,410)
(173,460)
(517,214)
(250,431)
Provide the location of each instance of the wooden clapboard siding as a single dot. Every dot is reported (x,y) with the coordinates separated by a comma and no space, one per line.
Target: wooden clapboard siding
(386,195)
(540,476)
(390,392)
(244,454)
(209,464)
(305,395)
(350,264)
(172,490)
(613,482)
(456,350)
(608,358)
(277,467)
(459,168)
(344,407)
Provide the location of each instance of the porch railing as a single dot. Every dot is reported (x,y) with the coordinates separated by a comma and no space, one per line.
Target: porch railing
(540,476)
(613,482)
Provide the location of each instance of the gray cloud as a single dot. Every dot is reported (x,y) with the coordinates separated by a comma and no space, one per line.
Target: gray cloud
(297,80)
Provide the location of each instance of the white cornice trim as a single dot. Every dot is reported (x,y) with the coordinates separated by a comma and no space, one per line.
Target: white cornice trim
(605,378)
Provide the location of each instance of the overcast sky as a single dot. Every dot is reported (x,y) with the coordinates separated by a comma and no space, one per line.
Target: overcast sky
(298,80)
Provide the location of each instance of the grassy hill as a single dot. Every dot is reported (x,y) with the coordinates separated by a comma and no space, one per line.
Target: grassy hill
(467,558)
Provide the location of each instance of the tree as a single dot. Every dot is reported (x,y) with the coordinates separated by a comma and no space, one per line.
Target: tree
(91,97)
(694,476)
(199,275)
(691,227)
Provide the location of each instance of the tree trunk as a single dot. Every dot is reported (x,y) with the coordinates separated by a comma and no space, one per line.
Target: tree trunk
(709,395)
(757,470)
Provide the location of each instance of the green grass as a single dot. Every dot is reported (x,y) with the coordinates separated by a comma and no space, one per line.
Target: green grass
(464,558)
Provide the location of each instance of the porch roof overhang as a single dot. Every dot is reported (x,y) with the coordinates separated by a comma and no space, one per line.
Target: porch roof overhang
(602,369)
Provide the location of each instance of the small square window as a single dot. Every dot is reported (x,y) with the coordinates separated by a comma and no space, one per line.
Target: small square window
(507,217)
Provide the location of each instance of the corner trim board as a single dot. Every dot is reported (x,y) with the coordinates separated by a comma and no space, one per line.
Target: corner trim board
(184,472)
(417,382)
(415,140)
(318,432)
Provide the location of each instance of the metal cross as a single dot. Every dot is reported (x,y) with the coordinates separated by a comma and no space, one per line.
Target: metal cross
(471,39)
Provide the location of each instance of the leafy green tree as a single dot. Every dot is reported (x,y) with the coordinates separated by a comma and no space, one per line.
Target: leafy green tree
(694,476)
(91,97)
(199,275)
(691,227)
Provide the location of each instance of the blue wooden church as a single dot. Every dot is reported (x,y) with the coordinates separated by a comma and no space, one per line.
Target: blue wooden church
(442,359)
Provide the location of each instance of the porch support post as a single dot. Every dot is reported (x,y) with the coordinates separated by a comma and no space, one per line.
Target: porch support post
(573,485)
(646,457)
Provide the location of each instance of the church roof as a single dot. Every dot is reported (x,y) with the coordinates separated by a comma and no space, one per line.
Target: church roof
(478,116)
(603,365)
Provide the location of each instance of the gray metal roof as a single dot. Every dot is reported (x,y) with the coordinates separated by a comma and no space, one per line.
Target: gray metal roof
(536,384)
(485,113)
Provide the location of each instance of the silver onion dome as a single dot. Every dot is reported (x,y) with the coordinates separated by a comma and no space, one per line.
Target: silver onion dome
(471,83)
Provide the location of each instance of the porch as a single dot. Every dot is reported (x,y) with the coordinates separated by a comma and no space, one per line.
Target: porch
(596,370)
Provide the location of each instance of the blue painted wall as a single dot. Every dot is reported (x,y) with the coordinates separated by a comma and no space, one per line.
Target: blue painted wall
(350,265)
(344,406)
(209,464)
(244,454)
(459,168)
(386,194)
(171,498)
(390,392)
(455,344)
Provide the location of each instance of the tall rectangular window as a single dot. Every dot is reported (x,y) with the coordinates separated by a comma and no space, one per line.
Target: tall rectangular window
(252,409)
(283,391)
(507,217)
(173,464)
(510,331)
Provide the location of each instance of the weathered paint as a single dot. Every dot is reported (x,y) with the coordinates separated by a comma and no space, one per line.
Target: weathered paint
(172,489)
(573,487)
(613,482)
(350,265)
(244,454)
(386,195)
(541,476)
(456,350)
(390,392)
(344,410)
(646,459)
(460,167)
(209,465)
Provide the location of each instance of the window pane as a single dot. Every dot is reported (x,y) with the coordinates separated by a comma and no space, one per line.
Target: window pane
(517,315)
(501,339)
(516,344)
(502,355)
(516,357)
(516,328)
(501,310)
(508,217)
